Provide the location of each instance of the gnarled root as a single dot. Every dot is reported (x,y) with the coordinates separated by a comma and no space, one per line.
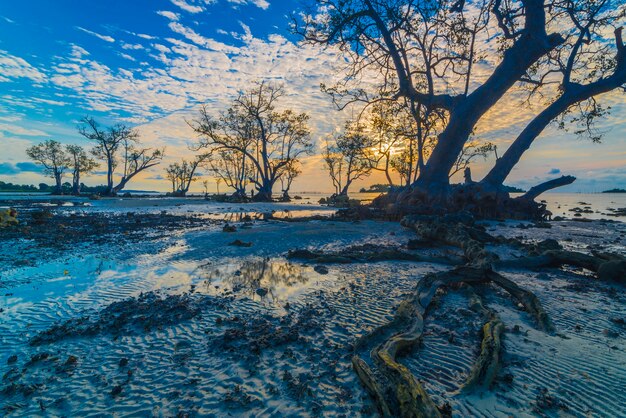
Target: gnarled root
(393,386)
(485,369)
(458,231)
(528,299)
(487,364)
(609,267)
(369,253)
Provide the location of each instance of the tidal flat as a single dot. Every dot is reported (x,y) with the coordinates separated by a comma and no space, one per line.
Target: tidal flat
(174,307)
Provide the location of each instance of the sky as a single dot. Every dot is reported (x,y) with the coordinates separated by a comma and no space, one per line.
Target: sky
(153,63)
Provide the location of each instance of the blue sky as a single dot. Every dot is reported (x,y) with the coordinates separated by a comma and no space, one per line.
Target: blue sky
(152,62)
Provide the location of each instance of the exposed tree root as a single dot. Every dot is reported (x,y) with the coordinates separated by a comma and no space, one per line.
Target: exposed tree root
(484,201)
(369,253)
(392,385)
(457,231)
(394,388)
(487,365)
(608,267)
(531,303)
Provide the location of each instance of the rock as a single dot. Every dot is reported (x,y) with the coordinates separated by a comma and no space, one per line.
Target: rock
(8,217)
(261,291)
(71,361)
(117,390)
(12,359)
(548,244)
(229,228)
(239,243)
(418,243)
(321,269)
(613,270)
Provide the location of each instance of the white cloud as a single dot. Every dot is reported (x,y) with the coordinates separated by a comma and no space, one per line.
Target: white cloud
(97,35)
(263,4)
(144,36)
(12,67)
(128,57)
(169,15)
(78,52)
(161,48)
(20,131)
(187,7)
(200,40)
(131,46)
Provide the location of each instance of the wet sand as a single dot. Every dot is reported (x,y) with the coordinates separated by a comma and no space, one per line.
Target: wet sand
(253,333)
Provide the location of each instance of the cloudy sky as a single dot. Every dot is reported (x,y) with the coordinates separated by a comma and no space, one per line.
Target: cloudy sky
(151,63)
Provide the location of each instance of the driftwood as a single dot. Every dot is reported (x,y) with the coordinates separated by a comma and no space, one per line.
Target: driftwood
(487,365)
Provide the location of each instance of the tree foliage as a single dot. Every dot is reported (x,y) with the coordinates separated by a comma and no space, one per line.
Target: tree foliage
(81,163)
(55,161)
(259,141)
(118,147)
(349,158)
(438,57)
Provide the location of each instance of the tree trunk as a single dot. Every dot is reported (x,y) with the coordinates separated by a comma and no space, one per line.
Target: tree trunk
(58,185)
(464,116)
(76,185)
(344,191)
(264,194)
(109,191)
(120,186)
(575,94)
(548,185)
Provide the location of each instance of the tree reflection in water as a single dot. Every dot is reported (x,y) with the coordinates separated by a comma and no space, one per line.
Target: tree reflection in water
(256,277)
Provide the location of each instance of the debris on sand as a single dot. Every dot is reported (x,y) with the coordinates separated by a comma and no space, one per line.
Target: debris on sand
(147,312)
(367,253)
(321,269)
(249,336)
(240,243)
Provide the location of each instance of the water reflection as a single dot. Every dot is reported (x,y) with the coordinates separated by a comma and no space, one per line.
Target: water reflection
(263,278)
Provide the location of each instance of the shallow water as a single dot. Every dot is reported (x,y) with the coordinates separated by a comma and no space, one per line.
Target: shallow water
(175,369)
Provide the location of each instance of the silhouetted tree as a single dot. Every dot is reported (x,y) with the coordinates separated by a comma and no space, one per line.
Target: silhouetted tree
(291,172)
(350,158)
(80,163)
(425,52)
(183,174)
(266,138)
(233,168)
(116,145)
(55,161)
